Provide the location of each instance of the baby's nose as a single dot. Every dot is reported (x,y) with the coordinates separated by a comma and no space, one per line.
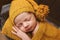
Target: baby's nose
(25,24)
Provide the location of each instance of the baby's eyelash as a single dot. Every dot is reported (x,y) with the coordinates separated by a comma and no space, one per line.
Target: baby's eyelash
(20,23)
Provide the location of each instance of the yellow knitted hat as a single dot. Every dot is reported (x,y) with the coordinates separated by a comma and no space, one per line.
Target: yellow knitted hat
(19,6)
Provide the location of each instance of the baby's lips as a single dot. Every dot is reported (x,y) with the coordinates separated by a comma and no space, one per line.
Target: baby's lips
(28,28)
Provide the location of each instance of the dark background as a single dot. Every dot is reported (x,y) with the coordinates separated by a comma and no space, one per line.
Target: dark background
(53,16)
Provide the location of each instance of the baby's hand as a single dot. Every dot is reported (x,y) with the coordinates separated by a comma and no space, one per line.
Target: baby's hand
(20,34)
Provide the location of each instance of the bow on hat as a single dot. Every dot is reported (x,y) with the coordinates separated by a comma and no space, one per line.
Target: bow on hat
(41,10)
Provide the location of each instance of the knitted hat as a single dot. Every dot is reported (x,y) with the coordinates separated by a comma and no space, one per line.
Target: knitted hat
(19,6)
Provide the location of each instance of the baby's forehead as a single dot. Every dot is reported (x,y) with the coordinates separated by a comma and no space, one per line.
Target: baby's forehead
(22,16)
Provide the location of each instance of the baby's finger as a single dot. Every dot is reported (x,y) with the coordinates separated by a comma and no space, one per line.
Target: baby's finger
(19,31)
(17,28)
(14,32)
(14,29)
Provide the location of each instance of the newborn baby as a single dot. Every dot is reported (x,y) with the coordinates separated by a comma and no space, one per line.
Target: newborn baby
(25,22)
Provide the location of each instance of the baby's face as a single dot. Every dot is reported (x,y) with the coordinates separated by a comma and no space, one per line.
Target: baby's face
(26,22)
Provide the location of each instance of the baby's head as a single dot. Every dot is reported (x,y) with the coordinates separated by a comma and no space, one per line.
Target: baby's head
(25,21)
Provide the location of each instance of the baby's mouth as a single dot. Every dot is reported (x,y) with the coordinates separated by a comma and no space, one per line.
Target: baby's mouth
(28,28)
